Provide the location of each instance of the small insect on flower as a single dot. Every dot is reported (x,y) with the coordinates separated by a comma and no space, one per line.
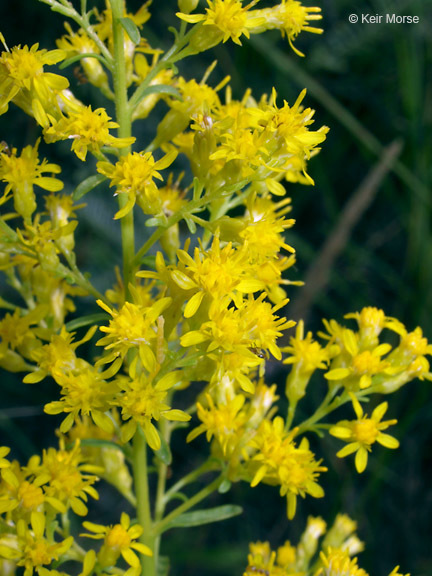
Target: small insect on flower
(259,352)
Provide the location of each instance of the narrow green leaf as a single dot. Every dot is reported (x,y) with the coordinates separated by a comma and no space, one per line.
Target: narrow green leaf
(190,224)
(161,89)
(87,185)
(131,29)
(89,320)
(163,566)
(224,487)
(200,517)
(164,452)
(79,57)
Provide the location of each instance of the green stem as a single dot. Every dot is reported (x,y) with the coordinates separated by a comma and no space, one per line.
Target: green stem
(164,524)
(140,472)
(168,58)
(123,117)
(188,479)
(329,404)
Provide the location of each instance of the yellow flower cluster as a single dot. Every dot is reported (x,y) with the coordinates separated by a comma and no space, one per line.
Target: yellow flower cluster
(364,363)
(336,548)
(229,19)
(207,319)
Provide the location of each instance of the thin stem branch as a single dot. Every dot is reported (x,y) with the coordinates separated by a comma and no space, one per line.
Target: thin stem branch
(164,524)
(140,471)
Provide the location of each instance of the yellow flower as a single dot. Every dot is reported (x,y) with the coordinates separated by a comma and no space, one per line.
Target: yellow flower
(119,539)
(215,273)
(88,129)
(57,357)
(225,422)
(133,176)
(279,461)
(67,479)
(371,322)
(364,432)
(84,391)
(133,326)
(290,17)
(23,172)
(17,333)
(22,76)
(336,562)
(36,549)
(225,19)
(306,356)
(142,400)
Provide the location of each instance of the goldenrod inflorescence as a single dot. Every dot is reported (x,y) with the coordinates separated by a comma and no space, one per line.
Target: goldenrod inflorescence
(185,337)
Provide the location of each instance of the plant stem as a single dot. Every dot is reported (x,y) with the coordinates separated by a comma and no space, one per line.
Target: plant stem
(329,404)
(123,117)
(143,499)
(164,524)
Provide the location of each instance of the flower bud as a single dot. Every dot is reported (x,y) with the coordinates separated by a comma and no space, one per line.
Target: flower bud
(187,6)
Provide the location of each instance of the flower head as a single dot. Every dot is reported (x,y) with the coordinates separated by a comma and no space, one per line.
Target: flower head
(364,432)
(142,400)
(23,172)
(88,129)
(133,175)
(119,539)
(226,19)
(279,461)
(23,79)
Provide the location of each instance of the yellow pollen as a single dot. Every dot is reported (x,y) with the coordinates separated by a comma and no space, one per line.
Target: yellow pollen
(118,537)
(30,496)
(365,431)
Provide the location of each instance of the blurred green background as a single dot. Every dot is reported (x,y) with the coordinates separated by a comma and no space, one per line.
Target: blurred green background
(372,84)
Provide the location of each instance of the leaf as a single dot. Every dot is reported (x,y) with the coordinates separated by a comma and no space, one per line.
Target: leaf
(91,319)
(87,185)
(161,89)
(163,566)
(131,29)
(201,517)
(224,487)
(79,57)
(164,452)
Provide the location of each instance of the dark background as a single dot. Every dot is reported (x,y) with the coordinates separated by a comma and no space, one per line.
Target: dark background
(372,85)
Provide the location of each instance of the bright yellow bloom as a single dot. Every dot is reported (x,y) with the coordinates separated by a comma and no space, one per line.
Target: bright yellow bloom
(363,367)
(364,432)
(253,325)
(142,400)
(215,273)
(23,172)
(84,391)
(336,562)
(88,129)
(371,322)
(119,539)
(225,422)
(291,18)
(133,326)
(306,356)
(225,19)
(22,76)
(57,357)
(19,331)
(66,477)
(36,548)
(279,461)
(133,175)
